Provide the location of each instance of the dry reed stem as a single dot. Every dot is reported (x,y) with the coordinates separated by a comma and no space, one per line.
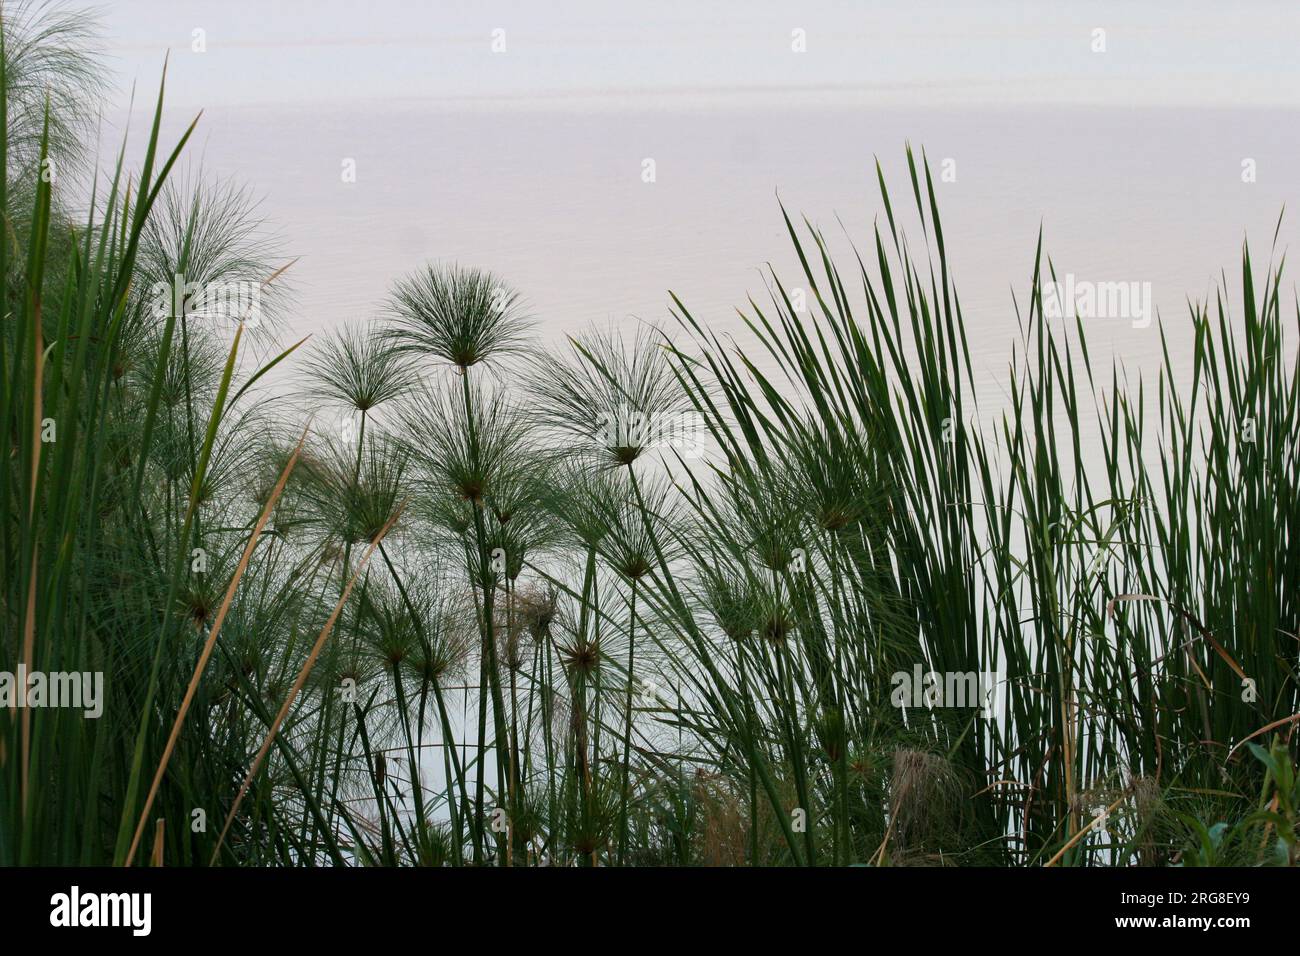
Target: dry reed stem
(302,679)
(210,644)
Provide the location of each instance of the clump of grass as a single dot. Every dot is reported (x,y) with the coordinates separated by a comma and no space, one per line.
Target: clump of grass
(479,628)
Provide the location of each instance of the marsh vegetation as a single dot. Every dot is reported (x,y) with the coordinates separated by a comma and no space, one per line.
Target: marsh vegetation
(426,590)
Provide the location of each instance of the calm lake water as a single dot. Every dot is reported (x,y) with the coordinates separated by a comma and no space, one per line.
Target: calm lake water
(1130,159)
(554,201)
(513,136)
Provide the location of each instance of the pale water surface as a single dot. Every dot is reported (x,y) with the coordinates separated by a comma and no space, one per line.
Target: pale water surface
(529,162)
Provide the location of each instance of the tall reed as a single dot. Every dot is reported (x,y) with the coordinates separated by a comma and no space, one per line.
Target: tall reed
(470,608)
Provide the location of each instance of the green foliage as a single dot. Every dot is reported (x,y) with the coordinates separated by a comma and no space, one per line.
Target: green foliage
(576,646)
